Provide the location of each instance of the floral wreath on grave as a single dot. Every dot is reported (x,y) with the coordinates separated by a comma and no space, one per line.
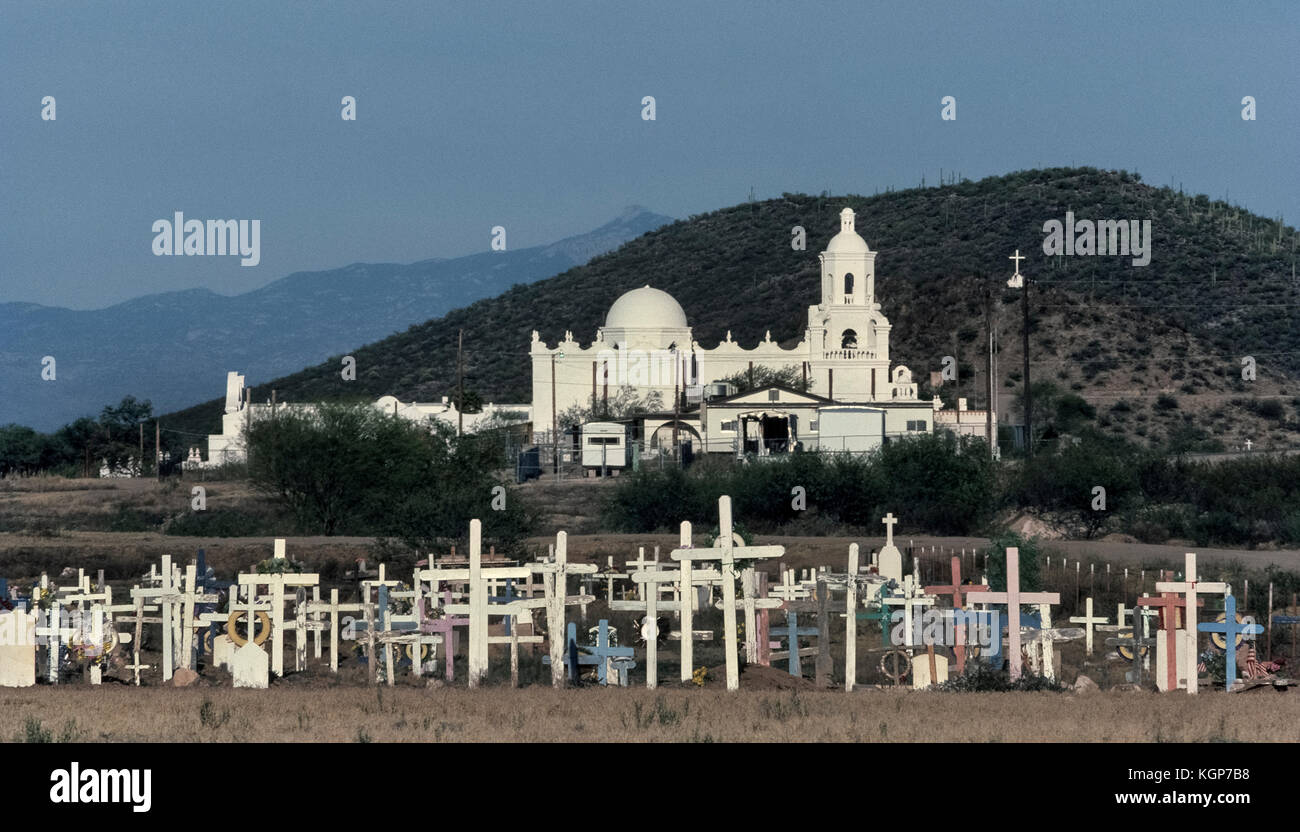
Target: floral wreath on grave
(260,633)
(699,675)
(82,650)
(739,534)
(43,596)
(424,651)
(401,606)
(278,566)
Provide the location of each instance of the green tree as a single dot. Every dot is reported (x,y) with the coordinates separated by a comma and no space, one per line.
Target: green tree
(350,469)
(789,376)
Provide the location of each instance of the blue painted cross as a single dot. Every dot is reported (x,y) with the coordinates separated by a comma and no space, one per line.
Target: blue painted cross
(1231,630)
(599,655)
(383,624)
(791,633)
(572,658)
(506,599)
(206,581)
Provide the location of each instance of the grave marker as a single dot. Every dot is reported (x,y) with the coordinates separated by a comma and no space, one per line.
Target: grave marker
(1191,587)
(1231,629)
(1013,598)
(1088,620)
(726,555)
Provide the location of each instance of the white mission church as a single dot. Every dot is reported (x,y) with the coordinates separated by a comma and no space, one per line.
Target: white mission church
(855,400)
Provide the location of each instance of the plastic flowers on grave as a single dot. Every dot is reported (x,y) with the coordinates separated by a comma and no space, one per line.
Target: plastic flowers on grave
(699,676)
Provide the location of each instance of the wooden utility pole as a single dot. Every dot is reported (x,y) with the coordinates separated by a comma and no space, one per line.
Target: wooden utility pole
(141,463)
(555,425)
(677,399)
(1029,396)
(988,418)
(460,382)
(1019,281)
(157,447)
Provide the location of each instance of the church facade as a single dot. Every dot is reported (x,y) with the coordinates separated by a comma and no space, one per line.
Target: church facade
(646,350)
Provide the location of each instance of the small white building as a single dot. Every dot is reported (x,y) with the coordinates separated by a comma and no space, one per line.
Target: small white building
(963,421)
(229,446)
(606,446)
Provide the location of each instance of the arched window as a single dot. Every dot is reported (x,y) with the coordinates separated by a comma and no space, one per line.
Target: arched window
(849,340)
(848,285)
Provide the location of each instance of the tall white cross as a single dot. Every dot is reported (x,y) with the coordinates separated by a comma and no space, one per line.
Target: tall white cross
(1191,587)
(725,552)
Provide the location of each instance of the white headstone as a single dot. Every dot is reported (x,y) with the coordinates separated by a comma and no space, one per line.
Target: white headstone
(921,670)
(17,649)
(890,559)
(251,667)
(223,651)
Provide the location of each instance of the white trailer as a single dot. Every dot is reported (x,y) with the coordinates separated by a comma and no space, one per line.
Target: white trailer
(606,448)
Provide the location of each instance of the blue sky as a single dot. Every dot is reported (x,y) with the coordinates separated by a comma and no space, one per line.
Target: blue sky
(527,115)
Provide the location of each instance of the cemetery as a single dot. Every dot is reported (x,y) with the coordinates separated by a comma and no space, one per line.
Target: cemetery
(475,644)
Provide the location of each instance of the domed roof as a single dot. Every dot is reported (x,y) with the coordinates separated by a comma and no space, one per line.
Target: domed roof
(646,308)
(848,241)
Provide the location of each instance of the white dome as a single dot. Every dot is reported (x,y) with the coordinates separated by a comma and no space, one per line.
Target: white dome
(848,241)
(646,308)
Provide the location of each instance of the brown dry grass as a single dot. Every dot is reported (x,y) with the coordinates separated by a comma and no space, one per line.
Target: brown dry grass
(404,714)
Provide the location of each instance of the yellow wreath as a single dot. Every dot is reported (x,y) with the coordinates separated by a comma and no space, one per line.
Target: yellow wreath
(259,635)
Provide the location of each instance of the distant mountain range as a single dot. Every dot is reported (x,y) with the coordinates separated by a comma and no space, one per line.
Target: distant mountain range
(175,348)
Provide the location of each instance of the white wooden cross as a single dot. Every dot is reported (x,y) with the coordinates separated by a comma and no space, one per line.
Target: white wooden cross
(166,594)
(100,612)
(1013,598)
(54,634)
(1191,587)
(479,609)
(555,576)
(788,589)
(1088,620)
(913,596)
(608,574)
(650,580)
(725,552)
(852,579)
(276,583)
(688,579)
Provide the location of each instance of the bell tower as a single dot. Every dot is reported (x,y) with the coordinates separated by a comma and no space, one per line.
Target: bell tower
(849,338)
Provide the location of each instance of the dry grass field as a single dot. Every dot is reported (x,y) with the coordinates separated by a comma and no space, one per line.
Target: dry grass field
(539,714)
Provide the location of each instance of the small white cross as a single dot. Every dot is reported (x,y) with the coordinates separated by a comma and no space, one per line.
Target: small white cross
(889,520)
